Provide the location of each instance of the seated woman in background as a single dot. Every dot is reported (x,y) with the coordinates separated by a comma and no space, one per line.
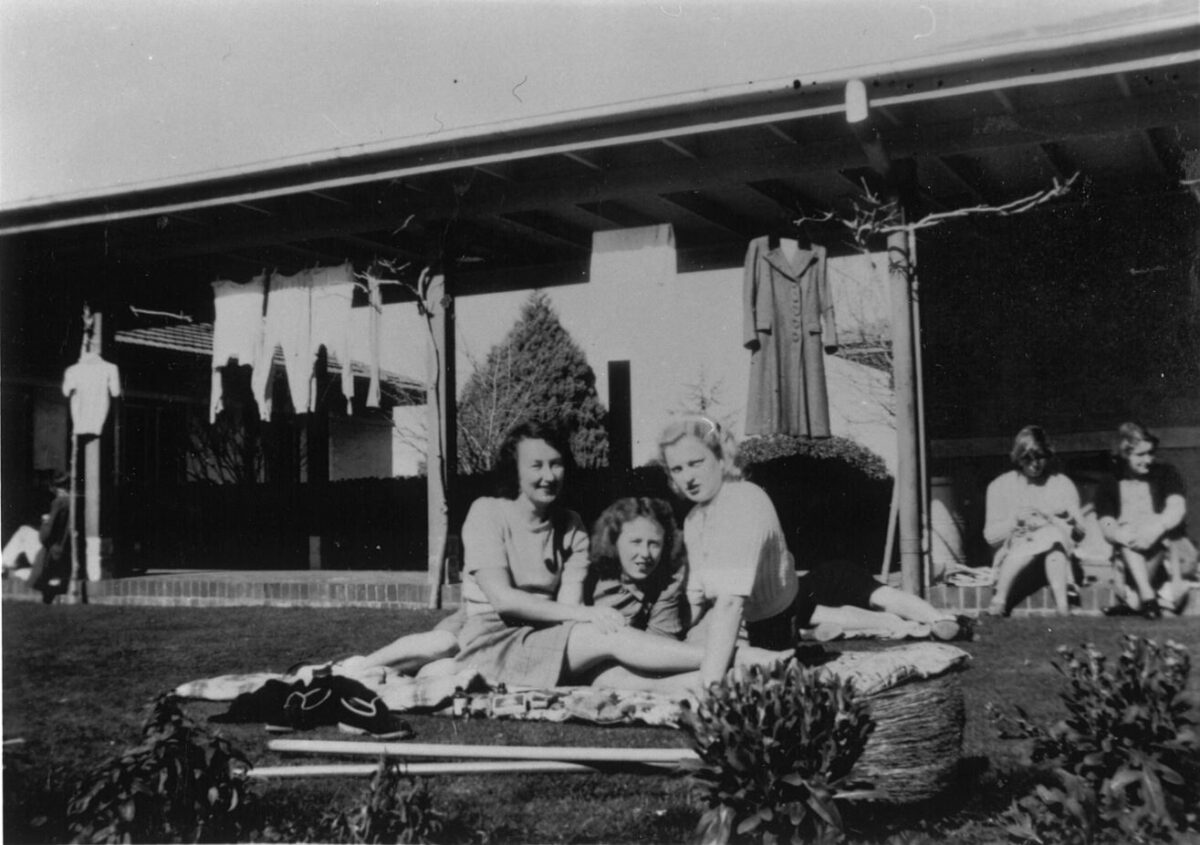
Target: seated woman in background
(1141,510)
(525,562)
(1032,523)
(742,579)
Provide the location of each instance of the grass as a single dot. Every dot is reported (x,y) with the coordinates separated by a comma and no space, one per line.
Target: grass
(76,681)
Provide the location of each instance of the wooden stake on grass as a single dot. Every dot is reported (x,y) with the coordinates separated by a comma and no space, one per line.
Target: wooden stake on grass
(493,767)
(484,752)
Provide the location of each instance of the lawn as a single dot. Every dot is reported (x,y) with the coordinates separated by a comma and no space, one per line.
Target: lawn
(77,679)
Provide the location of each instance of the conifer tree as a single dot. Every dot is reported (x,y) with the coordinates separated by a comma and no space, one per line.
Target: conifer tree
(537,371)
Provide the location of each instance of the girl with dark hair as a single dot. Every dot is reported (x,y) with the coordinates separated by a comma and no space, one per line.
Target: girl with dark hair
(1032,523)
(525,562)
(637,566)
(1141,510)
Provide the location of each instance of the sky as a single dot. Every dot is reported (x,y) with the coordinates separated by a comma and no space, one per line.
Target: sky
(100,95)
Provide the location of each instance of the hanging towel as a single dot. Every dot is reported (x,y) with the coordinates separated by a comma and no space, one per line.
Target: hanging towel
(332,296)
(288,325)
(645,254)
(237,330)
(90,384)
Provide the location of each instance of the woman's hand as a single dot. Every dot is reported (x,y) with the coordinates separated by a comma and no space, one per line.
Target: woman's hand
(608,620)
(1122,535)
(1145,535)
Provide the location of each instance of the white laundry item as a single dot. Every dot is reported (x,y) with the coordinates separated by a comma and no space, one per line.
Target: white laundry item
(288,325)
(645,253)
(237,330)
(25,542)
(91,384)
(332,296)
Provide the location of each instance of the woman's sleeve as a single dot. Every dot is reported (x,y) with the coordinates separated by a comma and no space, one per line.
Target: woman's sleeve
(1108,498)
(1000,514)
(575,566)
(666,617)
(483,538)
(1070,496)
(748,520)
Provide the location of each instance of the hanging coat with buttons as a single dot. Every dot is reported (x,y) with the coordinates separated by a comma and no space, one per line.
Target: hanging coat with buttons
(788,325)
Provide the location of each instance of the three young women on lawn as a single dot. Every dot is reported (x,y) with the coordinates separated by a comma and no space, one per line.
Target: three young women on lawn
(539,613)
(524,572)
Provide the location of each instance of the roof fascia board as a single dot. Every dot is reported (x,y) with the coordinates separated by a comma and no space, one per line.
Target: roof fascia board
(1061,59)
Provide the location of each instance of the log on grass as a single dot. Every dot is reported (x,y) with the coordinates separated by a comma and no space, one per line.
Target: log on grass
(584,754)
(480,767)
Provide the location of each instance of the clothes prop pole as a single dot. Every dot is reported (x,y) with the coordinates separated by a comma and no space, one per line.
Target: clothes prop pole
(493,767)
(575,754)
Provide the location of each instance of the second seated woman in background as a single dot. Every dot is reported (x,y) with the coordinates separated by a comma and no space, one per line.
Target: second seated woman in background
(1142,511)
(1032,523)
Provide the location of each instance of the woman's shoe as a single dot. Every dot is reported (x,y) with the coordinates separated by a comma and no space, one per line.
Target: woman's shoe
(1150,609)
(1119,609)
(997,608)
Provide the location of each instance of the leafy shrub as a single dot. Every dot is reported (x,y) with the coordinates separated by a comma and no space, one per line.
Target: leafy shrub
(394,808)
(1126,759)
(776,745)
(770,447)
(177,786)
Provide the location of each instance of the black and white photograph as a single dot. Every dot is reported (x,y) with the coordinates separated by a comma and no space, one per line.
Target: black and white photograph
(600,421)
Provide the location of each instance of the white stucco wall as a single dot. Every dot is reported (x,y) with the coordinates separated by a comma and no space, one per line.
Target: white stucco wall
(676,330)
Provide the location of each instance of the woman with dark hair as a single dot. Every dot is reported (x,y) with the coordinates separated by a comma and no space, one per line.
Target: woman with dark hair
(525,562)
(637,566)
(1141,510)
(1032,523)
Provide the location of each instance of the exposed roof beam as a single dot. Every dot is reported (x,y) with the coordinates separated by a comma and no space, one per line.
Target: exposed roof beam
(678,147)
(619,213)
(381,248)
(581,159)
(953,137)
(1005,101)
(256,209)
(775,130)
(789,200)
(713,212)
(1058,159)
(970,189)
(1147,142)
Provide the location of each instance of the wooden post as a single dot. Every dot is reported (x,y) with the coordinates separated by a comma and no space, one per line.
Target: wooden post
(91,477)
(316,441)
(441,427)
(620,410)
(897,178)
(904,369)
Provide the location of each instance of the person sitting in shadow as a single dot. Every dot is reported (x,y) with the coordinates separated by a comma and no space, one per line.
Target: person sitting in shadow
(1033,523)
(51,570)
(1142,510)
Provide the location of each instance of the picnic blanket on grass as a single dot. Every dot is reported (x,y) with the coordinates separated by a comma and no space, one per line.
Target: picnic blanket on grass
(869,672)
